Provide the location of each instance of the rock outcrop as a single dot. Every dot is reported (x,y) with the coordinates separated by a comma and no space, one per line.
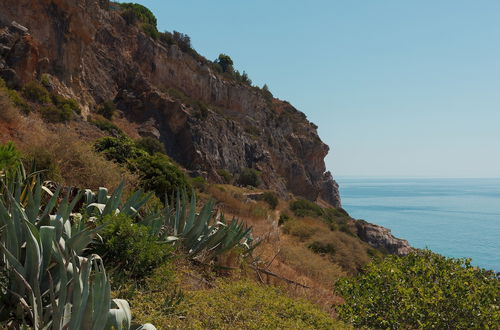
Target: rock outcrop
(95,56)
(381,238)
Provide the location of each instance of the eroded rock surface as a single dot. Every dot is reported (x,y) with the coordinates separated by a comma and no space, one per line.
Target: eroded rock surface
(381,238)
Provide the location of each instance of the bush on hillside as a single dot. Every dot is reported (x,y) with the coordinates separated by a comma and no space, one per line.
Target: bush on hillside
(121,150)
(270,198)
(421,290)
(8,112)
(303,208)
(226,175)
(232,305)
(66,105)
(54,114)
(249,177)
(107,126)
(37,93)
(157,172)
(106,109)
(150,145)
(160,175)
(9,157)
(130,247)
(140,13)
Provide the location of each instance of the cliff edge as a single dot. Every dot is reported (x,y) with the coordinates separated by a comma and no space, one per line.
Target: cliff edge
(91,53)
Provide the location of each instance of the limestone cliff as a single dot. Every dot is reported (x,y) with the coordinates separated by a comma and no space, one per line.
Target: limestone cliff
(93,55)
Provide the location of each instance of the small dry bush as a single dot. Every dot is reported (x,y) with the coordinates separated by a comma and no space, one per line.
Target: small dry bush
(235,203)
(310,264)
(71,161)
(302,228)
(341,248)
(8,112)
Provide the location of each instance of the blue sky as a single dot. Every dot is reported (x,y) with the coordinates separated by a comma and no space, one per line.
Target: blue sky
(397,88)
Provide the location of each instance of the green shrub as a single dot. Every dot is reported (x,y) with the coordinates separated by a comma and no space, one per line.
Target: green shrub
(130,247)
(302,208)
(235,305)
(121,150)
(35,92)
(199,183)
(9,157)
(160,175)
(18,101)
(66,105)
(270,198)
(322,247)
(106,109)
(108,127)
(157,173)
(284,217)
(249,177)
(142,14)
(135,13)
(423,290)
(150,30)
(54,114)
(226,175)
(150,145)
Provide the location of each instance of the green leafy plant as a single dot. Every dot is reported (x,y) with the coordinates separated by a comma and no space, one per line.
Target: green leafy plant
(9,157)
(35,92)
(108,127)
(41,247)
(150,145)
(249,177)
(270,198)
(130,246)
(54,114)
(158,173)
(107,109)
(66,105)
(226,175)
(199,233)
(423,290)
(302,208)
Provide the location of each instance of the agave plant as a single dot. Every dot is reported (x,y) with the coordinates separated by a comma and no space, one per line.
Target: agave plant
(199,233)
(50,282)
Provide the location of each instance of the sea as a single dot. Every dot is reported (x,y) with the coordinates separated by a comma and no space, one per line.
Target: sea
(457,218)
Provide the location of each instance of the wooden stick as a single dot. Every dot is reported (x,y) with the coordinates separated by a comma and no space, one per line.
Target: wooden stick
(267,272)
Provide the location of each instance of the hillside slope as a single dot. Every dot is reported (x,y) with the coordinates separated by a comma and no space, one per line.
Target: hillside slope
(88,52)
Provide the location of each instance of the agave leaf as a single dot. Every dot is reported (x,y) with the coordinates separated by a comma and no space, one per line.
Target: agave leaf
(47,238)
(114,201)
(102,195)
(119,316)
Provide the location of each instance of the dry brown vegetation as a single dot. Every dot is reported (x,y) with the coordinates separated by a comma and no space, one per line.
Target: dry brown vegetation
(8,112)
(232,201)
(72,161)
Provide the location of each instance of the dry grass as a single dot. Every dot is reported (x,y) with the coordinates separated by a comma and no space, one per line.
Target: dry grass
(70,161)
(303,228)
(232,200)
(308,263)
(342,249)
(8,112)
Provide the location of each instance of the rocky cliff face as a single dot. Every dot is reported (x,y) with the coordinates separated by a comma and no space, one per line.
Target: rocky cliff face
(93,55)
(381,238)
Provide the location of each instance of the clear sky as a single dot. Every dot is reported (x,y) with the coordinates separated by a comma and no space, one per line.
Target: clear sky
(397,88)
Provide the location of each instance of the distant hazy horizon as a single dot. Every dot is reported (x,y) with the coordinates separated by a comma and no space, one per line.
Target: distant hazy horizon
(397,88)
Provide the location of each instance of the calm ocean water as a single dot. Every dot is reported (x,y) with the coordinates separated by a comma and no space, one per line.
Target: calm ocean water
(453,217)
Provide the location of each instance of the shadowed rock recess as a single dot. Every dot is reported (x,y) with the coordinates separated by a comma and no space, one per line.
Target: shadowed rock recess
(93,55)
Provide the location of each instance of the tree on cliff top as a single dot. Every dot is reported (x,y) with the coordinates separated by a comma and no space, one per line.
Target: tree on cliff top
(225,62)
